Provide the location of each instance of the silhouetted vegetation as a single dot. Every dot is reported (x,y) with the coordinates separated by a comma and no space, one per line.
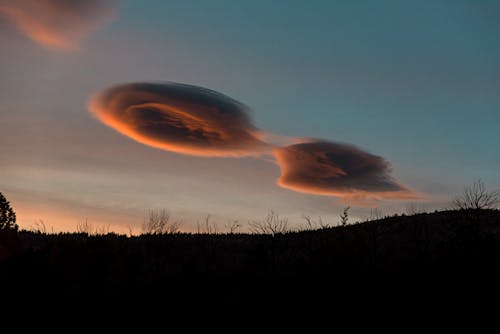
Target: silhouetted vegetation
(7,215)
(9,241)
(272,224)
(344,217)
(477,197)
(454,255)
(428,254)
(159,222)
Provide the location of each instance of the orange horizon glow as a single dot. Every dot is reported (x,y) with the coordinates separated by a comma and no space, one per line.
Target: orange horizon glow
(54,217)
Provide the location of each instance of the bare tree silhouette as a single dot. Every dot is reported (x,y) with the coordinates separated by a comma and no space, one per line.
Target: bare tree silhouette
(39,227)
(206,227)
(104,229)
(313,224)
(85,227)
(158,222)
(375,213)
(130,230)
(477,197)
(272,224)
(233,226)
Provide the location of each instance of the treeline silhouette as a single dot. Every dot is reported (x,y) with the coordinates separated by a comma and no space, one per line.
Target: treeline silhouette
(450,254)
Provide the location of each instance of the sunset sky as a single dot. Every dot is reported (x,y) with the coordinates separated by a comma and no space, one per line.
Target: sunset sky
(234,108)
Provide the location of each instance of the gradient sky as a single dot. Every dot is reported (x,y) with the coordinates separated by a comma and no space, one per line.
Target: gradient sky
(415,82)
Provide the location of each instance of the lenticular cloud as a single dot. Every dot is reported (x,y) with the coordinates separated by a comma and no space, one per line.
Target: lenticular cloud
(198,121)
(337,169)
(179,118)
(60,24)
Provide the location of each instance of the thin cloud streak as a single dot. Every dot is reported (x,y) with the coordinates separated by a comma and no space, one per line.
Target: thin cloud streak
(58,24)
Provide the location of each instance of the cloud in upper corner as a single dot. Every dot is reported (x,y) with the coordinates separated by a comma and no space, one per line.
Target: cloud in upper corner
(179,118)
(59,24)
(337,169)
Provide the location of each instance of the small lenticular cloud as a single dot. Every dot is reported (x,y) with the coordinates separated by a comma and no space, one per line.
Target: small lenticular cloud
(60,24)
(179,118)
(335,169)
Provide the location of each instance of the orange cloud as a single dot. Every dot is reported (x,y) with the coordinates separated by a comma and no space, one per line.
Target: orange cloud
(341,170)
(60,24)
(179,118)
(197,121)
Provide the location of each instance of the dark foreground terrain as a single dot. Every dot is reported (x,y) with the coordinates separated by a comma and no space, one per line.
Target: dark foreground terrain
(443,259)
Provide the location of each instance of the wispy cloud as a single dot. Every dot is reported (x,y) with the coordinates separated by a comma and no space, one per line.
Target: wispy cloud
(179,118)
(337,169)
(59,24)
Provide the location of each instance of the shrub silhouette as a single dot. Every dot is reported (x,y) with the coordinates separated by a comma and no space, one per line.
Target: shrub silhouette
(7,215)
(344,217)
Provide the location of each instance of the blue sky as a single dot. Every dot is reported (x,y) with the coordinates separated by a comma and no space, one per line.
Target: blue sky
(415,82)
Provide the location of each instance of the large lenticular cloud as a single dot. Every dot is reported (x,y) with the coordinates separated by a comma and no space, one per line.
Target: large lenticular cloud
(61,24)
(335,169)
(197,121)
(179,118)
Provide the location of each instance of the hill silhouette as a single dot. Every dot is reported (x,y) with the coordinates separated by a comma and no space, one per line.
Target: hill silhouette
(448,256)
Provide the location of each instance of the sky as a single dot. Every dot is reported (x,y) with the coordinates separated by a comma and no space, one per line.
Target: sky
(109,109)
